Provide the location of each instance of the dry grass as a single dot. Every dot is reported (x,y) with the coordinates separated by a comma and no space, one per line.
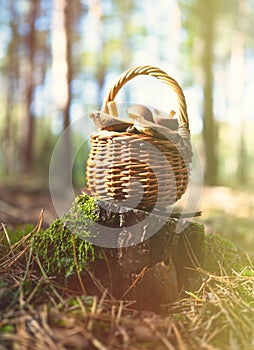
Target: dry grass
(38,312)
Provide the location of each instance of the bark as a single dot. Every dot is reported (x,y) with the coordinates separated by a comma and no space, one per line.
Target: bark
(210,128)
(28,150)
(150,270)
(62,38)
(68,27)
(238,69)
(12,76)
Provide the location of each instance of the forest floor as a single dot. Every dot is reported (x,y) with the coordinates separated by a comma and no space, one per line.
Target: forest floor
(218,315)
(229,213)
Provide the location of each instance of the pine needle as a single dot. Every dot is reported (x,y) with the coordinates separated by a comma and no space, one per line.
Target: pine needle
(76,265)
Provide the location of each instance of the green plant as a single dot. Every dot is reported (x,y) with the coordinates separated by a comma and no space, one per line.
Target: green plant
(66,239)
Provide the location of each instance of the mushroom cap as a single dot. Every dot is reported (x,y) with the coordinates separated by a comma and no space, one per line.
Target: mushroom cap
(136,111)
(105,121)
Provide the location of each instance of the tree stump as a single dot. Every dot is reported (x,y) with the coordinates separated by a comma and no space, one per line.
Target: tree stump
(151,272)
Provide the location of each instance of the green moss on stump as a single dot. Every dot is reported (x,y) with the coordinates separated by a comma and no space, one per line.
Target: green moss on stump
(192,245)
(189,249)
(223,255)
(54,246)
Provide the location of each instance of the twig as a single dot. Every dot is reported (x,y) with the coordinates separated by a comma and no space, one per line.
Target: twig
(135,281)
(101,302)
(190,252)
(82,307)
(76,265)
(108,268)
(178,337)
(97,344)
(9,262)
(7,238)
(98,284)
(92,313)
(48,332)
(94,341)
(160,336)
(119,313)
(47,278)
(35,230)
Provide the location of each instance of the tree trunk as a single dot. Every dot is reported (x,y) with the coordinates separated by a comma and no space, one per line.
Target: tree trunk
(238,73)
(68,27)
(210,129)
(12,76)
(62,72)
(28,149)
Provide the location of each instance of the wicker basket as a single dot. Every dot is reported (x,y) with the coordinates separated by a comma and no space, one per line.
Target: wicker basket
(124,165)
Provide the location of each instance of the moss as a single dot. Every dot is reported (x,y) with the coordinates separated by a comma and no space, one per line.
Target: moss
(14,236)
(85,206)
(192,245)
(221,254)
(54,246)
(82,216)
(245,286)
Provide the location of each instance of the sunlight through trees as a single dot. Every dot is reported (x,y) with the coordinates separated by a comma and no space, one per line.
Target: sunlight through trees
(58,59)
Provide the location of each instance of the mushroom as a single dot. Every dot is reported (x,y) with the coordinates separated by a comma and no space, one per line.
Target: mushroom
(105,121)
(140,112)
(169,123)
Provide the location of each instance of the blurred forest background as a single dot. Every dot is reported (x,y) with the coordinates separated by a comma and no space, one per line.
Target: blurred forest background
(58,59)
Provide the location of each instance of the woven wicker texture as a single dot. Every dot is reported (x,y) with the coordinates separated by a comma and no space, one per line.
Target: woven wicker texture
(140,170)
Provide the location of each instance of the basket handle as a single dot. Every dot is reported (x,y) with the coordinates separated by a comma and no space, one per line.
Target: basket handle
(165,78)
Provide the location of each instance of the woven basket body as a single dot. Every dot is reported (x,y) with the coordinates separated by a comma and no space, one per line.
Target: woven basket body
(137,169)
